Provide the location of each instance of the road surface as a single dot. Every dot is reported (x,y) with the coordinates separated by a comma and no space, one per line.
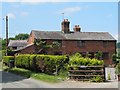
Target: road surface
(10,80)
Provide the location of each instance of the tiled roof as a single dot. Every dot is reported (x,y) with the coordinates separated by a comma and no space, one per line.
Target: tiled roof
(18,43)
(72,35)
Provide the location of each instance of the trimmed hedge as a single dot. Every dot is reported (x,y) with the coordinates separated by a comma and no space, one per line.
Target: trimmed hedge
(42,63)
(6,59)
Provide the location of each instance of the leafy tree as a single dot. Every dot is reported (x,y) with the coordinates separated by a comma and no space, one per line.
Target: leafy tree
(118,45)
(21,36)
(98,55)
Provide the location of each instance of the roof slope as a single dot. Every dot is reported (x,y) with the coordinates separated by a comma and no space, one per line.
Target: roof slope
(72,35)
(18,43)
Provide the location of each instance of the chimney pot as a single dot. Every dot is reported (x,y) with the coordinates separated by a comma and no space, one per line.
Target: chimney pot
(65,26)
(77,28)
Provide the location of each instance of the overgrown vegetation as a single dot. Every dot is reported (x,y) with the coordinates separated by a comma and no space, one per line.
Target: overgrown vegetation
(78,60)
(117,71)
(97,79)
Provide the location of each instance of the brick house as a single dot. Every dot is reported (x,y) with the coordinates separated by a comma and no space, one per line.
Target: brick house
(72,42)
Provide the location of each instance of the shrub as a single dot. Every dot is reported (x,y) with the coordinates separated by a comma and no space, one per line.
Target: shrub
(6,59)
(2,54)
(97,79)
(117,69)
(18,61)
(32,59)
(42,63)
(77,60)
(109,78)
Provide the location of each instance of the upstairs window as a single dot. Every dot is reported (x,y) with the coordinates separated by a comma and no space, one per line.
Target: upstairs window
(81,43)
(105,43)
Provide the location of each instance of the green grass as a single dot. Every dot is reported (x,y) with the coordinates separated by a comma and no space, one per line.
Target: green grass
(38,76)
(0,65)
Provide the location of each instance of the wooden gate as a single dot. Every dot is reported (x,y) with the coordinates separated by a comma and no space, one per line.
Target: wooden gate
(86,72)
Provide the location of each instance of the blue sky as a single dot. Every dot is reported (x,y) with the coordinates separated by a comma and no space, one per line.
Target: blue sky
(46,16)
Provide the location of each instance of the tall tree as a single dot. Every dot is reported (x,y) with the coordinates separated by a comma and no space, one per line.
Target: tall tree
(21,36)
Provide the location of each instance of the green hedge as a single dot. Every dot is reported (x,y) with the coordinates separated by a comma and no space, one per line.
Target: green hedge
(6,59)
(2,54)
(77,60)
(42,63)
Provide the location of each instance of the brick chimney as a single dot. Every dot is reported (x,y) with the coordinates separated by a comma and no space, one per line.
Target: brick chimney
(77,28)
(65,26)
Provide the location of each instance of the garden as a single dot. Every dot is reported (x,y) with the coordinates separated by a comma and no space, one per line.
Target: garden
(52,66)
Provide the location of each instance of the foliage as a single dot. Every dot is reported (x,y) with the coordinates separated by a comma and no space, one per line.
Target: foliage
(98,55)
(55,44)
(117,69)
(97,79)
(46,47)
(114,59)
(42,63)
(6,59)
(17,37)
(77,60)
(21,36)
(2,53)
(109,78)
(118,45)
(10,53)
(3,44)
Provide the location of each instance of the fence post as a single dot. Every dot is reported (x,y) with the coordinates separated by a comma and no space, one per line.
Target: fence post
(104,73)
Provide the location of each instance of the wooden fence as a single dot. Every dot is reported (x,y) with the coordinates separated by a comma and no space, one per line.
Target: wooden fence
(86,72)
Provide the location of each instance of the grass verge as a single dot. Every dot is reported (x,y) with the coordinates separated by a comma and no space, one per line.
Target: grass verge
(38,76)
(0,65)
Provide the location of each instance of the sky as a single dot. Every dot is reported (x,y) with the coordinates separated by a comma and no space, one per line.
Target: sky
(47,16)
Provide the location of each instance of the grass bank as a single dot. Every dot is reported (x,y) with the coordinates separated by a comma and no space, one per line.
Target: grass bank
(0,65)
(38,76)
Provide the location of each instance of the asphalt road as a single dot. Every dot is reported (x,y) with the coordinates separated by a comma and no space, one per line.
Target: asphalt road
(10,80)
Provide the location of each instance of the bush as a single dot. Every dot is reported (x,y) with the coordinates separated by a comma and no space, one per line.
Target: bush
(117,69)
(6,59)
(42,63)
(2,54)
(97,79)
(77,60)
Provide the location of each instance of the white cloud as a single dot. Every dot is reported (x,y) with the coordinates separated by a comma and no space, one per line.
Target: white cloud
(70,10)
(11,15)
(10,0)
(24,13)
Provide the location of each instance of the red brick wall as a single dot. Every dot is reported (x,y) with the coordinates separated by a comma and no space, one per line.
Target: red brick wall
(28,50)
(31,38)
(90,46)
(71,47)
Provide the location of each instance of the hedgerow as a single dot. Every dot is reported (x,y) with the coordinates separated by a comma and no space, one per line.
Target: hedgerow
(6,59)
(42,63)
